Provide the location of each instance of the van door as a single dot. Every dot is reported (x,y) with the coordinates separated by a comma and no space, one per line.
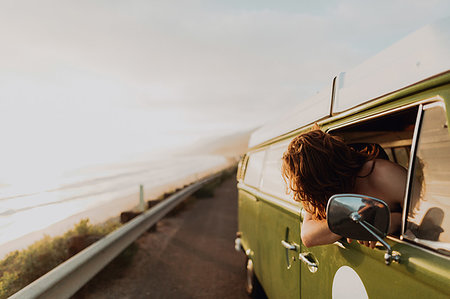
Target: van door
(279,231)
(248,211)
(343,270)
(279,247)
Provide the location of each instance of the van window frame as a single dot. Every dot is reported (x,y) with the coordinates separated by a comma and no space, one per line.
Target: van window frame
(411,173)
(412,161)
(289,204)
(414,141)
(248,157)
(283,145)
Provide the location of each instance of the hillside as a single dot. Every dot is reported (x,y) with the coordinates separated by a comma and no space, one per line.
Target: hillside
(230,146)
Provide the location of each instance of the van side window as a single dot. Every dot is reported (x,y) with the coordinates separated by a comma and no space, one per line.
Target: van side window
(254,168)
(272,180)
(428,219)
(393,132)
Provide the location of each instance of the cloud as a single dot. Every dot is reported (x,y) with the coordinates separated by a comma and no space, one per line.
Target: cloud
(129,71)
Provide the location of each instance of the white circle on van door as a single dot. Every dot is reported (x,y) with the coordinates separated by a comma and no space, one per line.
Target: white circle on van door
(348,284)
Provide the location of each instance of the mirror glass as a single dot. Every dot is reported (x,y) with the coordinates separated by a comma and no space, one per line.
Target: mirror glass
(372,211)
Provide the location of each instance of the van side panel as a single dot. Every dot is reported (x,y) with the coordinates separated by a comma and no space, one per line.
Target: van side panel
(248,221)
(421,273)
(280,268)
(379,280)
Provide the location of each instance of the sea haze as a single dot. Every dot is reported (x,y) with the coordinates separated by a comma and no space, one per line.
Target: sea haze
(97,192)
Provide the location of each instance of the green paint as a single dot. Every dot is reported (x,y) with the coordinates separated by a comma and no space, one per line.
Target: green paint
(264,221)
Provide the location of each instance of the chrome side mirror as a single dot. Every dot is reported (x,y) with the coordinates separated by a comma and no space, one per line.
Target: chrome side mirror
(360,217)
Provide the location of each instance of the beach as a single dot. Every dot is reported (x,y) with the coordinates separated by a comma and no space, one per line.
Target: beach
(98,193)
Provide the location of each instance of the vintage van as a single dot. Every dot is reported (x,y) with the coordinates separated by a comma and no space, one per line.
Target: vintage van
(399,99)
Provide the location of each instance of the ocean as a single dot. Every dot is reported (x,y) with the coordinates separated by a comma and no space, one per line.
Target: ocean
(30,211)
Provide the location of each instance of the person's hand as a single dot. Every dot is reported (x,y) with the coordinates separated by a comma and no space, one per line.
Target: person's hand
(370,244)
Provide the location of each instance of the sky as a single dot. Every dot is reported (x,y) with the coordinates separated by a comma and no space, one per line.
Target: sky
(85,82)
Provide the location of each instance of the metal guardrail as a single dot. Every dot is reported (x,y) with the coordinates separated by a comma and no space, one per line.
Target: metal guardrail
(64,280)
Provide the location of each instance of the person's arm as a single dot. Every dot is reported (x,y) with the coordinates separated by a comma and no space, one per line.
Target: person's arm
(316,232)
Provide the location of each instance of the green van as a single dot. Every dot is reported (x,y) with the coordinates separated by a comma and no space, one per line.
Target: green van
(399,99)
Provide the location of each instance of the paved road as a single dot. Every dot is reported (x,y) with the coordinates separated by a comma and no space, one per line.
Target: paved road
(191,255)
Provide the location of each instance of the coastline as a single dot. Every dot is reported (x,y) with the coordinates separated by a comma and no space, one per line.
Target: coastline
(106,211)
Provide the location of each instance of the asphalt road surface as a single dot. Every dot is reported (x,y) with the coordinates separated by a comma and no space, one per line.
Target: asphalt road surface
(191,255)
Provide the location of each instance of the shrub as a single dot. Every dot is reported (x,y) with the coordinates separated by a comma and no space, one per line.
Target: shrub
(20,268)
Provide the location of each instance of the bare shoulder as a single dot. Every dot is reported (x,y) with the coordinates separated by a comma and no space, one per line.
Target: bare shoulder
(387,174)
(380,168)
(389,181)
(386,168)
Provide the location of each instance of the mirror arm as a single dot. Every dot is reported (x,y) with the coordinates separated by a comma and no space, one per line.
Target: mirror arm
(374,229)
(389,256)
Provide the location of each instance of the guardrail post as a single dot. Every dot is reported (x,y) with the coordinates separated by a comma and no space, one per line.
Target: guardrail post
(64,280)
(141,198)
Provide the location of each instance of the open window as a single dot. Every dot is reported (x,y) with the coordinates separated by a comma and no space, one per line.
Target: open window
(427,206)
(393,132)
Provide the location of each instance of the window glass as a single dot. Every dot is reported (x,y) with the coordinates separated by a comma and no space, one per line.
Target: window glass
(254,168)
(401,155)
(272,180)
(390,154)
(429,211)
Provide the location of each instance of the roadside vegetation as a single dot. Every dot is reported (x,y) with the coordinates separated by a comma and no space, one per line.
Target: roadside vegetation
(116,269)
(21,267)
(208,189)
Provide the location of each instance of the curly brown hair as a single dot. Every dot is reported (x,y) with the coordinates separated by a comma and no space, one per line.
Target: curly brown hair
(317,165)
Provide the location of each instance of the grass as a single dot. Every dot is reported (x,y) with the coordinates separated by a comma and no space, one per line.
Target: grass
(208,189)
(21,267)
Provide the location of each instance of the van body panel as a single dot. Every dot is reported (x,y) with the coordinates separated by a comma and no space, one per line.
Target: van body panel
(261,218)
(436,89)
(248,212)
(292,208)
(379,280)
(386,114)
(280,267)
(410,95)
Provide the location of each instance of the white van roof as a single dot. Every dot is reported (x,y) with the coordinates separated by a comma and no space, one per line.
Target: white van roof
(421,55)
